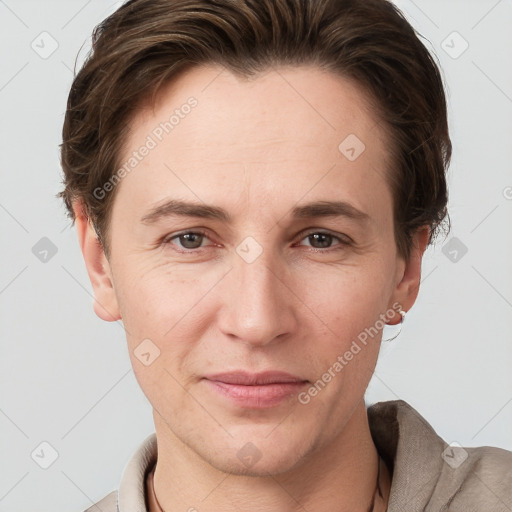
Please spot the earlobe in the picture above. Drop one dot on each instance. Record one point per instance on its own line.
(98, 267)
(408, 285)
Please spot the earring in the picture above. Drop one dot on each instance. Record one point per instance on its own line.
(400, 325)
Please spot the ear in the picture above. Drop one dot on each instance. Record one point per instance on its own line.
(98, 267)
(409, 274)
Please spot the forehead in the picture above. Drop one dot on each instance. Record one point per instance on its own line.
(299, 102)
(288, 132)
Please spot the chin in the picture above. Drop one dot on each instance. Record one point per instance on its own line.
(265, 467)
(258, 455)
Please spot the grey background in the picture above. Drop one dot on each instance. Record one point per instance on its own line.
(65, 375)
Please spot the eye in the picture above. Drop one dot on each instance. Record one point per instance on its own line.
(187, 240)
(324, 240)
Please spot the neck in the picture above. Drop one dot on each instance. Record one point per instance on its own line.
(340, 476)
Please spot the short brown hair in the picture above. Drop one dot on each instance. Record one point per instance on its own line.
(146, 43)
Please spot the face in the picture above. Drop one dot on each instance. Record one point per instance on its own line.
(251, 246)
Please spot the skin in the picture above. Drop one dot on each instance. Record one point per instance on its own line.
(256, 148)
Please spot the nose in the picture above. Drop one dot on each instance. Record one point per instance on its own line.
(258, 304)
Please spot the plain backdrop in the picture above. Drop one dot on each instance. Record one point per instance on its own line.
(66, 379)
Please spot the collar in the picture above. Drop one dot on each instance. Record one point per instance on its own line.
(412, 451)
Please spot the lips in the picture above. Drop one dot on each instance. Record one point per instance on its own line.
(254, 379)
(255, 390)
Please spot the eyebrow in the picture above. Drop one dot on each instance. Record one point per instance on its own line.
(179, 208)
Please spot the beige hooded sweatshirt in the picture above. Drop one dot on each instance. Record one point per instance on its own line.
(427, 474)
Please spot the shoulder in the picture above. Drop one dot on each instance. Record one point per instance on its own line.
(131, 494)
(107, 504)
(477, 477)
(428, 472)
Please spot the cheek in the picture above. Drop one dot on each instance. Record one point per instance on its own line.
(153, 301)
(163, 386)
(346, 300)
(346, 342)
(345, 307)
(172, 308)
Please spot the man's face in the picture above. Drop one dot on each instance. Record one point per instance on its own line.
(261, 288)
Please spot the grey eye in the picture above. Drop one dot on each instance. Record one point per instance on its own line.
(191, 240)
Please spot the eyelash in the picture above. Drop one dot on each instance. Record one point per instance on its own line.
(342, 242)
